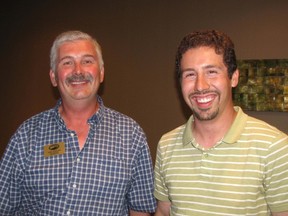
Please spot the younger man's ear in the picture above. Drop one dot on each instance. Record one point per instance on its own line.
(235, 78)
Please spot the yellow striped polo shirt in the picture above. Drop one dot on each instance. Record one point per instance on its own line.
(246, 173)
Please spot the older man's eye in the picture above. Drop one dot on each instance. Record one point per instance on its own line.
(88, 60)
(67, 63)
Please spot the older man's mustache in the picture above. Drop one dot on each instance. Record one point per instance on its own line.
(79, 78)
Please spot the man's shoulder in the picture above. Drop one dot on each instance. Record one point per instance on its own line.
(36, 119)
(115, 121)
(257, 129)
(172, 136)
(252, 126)
(119, 118)
(258, 124)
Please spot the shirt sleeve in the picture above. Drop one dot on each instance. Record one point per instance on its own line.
(140, 196)
(276, 178)
(160, 191)
(10, 178)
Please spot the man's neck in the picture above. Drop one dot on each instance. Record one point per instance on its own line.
(209, 133)
(78, 111)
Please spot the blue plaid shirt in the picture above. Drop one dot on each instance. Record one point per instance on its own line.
(110, 175)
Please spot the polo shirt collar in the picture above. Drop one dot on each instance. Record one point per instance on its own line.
(187, 134)
(231, 136)
(237, 127)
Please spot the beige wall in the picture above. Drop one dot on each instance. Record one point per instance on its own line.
(139, 39)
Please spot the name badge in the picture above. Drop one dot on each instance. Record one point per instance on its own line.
(54, 149)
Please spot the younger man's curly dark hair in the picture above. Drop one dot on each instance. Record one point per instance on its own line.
(222, 44)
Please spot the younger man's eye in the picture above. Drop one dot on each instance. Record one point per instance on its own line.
(188, 74)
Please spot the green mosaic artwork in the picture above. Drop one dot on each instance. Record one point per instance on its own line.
(263, 85)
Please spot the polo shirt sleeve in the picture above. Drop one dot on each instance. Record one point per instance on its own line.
(276, 178)
(160, 191)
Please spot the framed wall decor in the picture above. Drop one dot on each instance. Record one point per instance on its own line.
(263, 85)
